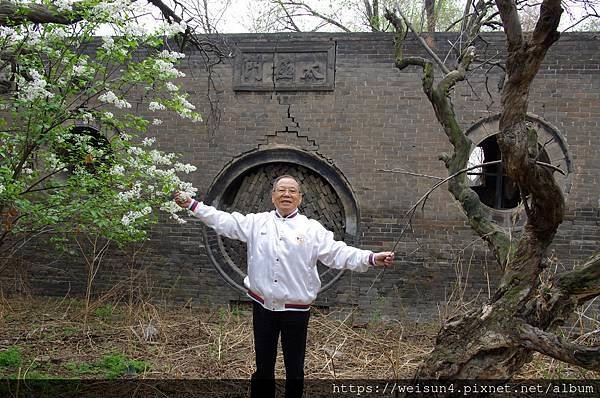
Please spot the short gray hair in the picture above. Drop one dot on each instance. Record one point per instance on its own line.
(287, 176)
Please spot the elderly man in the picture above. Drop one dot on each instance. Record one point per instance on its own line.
(283, 249)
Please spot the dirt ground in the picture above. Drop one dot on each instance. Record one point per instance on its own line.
(44, 338)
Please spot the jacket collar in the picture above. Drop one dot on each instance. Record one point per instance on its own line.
(291, 215)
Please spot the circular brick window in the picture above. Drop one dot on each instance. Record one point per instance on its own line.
(85, 147)
(498, 193)
(245, 187)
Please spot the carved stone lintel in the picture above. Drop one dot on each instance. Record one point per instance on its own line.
(297, 66)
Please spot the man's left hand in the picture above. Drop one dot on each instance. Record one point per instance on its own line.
(383, 259)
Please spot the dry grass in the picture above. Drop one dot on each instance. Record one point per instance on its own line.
(191, 342)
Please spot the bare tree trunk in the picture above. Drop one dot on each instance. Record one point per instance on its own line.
(431, 22)
(431, 17)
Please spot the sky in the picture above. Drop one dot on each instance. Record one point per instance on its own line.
(236, 16)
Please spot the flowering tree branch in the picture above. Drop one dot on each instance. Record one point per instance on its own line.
(71, 132)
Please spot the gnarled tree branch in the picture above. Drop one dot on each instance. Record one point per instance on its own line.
(12, 14)
(518, 140)
(581, 283)
(495, 237)
(511, 22)
(400, 61)
(545, 33)
(524, 305)
(431, 53)
(550, 344)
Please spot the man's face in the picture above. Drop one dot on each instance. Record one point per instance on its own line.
(286, 196)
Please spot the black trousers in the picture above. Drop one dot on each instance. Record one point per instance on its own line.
(293, 327)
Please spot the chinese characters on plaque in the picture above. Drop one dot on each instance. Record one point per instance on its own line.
(297, 67)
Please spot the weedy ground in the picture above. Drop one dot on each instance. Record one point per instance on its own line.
(52, 338)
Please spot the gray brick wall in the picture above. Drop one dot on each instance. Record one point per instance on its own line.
(376, 118)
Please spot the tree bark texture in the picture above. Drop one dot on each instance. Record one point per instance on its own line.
(496, 340)
(12, 14)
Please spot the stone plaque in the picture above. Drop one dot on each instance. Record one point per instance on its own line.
(296, 66)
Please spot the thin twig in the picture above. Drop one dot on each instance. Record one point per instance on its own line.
(422, 42)
(423, 198)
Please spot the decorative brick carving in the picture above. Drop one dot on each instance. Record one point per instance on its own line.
(252, 69)
(297, 66)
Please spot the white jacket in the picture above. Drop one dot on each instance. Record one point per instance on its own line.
(283, 254)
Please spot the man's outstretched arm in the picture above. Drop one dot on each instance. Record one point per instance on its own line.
(231, 225)
(337, 254)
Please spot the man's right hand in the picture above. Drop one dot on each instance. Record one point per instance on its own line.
(183, 199)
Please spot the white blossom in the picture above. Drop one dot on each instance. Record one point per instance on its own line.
(81, 171)
(125, 220)
(170, 29)
(186, 108)
(108, 115)
(108, 43)
(34, 37)
(184, 196)
(187, 188)
(186, 168)
(63, 5)
(166, 69)
(181, 100)
(111, 98)
(53, 162)
(59, 32)
(110, 46)
(188, 114)
(178, 219)
(79, 70)
(86, 117)
(134, 30)
(170, 207)
(80, 138)
(133, 193)
(110, 9)
(81, 67)
(133, 215)
(148, 141)
(172, 56)
(134, 150)
(34, 89)
(2, 188)
(168, 176)
(159, 158)
(9, 34)
(171, 87)
(156, 106)
(157, 122)
(117, 170)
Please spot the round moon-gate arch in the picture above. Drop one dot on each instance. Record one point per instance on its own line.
(244, 185)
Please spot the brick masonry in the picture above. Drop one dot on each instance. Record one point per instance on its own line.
(376, 117)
